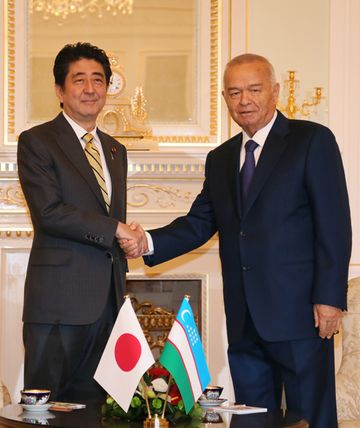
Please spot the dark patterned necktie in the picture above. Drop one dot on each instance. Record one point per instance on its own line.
(93, 156)
(248, 169)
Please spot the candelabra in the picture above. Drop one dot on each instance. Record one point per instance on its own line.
(63, 8)
(291, 109)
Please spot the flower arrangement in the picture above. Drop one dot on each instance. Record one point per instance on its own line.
(156, 390)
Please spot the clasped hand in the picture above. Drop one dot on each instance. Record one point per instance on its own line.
(132, 240)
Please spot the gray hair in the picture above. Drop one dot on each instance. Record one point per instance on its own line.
(249, 58)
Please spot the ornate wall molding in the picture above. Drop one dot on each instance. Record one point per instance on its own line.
(173, 169)
(161, 186)
(11, 197)
(206, 131)
(215, 20)
(195, 139)
(9, 75)
(11, 234)
(141, 195)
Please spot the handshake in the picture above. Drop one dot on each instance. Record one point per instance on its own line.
(132, 239)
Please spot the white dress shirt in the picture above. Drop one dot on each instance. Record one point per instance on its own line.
(259, 137)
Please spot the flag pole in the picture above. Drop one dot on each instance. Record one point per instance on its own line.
(146, 397)
(166, 397)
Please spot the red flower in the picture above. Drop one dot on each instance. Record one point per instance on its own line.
(156, 372)
(174, 394)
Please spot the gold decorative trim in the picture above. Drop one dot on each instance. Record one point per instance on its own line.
(214, 66)
(9, 78)
(16, 234)
(12, 196)
(180, 139)
(165, 196)
(166, 168)
(9, 110)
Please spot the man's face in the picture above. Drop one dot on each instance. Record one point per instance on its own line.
(84, 92)
(250, 95)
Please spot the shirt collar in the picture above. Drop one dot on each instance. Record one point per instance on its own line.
(261, 135)
(79, 130)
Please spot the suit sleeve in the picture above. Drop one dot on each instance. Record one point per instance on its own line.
(187, 232)
(325, 180)
(43, 194)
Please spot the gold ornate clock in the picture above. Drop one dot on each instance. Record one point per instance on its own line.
(121, 116)
(117, 83)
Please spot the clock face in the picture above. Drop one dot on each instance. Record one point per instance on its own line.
(117, 84)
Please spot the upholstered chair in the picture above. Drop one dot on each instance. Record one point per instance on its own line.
(348, 375)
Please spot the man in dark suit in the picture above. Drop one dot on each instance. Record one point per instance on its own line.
(75, 188)
(285, 242)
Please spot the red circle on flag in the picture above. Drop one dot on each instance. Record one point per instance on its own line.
(127, 351)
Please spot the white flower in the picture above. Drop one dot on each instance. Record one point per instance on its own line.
(159, 385)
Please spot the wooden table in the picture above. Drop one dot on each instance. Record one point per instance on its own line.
(14, 417)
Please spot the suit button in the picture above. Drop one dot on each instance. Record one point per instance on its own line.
(246, 268)
(242, 234)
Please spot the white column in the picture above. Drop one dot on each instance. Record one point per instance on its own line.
(344, 95)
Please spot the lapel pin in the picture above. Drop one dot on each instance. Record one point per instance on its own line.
(113, 149)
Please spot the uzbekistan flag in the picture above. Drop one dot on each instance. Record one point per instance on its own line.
(125, 359)
(183, 356)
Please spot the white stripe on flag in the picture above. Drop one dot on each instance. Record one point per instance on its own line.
(179, 339)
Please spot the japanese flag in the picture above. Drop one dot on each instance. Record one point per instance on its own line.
(126, 357)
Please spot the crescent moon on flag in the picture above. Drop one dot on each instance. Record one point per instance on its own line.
(183, 314)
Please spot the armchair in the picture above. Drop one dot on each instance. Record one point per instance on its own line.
(348, 375)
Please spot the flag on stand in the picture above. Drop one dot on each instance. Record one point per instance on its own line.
(183, 356)
(125, 359)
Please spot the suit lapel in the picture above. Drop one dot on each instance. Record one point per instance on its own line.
(110, 152)
(273, 148)
(70, 145)
(234, 170)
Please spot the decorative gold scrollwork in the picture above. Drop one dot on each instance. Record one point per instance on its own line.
(165, 197)
(12, 196)
(155, 321)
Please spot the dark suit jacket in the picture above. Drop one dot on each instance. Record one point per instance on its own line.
(70, 266)
(289, 246)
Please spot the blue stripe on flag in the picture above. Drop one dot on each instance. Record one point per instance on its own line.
(185, 317)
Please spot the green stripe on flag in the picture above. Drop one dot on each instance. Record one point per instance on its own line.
(171, 360)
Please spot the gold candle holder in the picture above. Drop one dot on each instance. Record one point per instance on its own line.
(291, 109)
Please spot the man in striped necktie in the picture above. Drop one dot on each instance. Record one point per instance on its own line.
(74, 180)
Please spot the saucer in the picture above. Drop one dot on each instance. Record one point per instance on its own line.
(212, 403)
(36, 407)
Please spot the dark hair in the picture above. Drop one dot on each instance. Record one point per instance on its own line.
(73, 52)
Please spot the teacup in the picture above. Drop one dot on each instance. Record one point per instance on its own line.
(211, 417)
(35, 396)
(213, 392)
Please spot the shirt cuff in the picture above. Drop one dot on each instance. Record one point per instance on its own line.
(150, 252)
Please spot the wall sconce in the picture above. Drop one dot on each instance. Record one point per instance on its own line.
(291, 109)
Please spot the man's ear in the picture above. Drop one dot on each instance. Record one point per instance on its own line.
(59, 92)
(276, 91)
